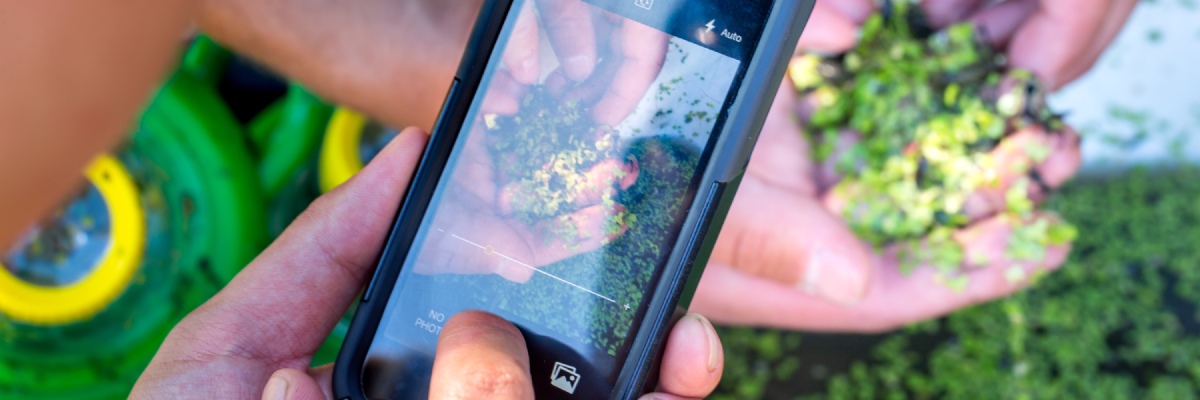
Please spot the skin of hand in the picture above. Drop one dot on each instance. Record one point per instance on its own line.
(785, 259)
(604, 60)
(393, 60)
(492, 353)
(85, 69)
(593, 47)
(72, 74)
(1059, 40)
(257, 336)
(338, 51)
(478, 208)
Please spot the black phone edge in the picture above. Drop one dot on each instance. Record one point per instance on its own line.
(746, 116)
(347, 374)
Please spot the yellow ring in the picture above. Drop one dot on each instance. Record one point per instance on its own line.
(40, 305)
(339, 153)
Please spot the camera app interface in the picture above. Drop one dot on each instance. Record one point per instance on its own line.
(569, 184)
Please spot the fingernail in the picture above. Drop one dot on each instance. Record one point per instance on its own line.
(696, 321)
(276, 389)
(833, 278)
(579, 67)
(652, 396)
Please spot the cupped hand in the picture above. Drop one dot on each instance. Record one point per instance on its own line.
(1058, 40)
(482, 225)
(476, 229)
(786, 259)
(256, 338)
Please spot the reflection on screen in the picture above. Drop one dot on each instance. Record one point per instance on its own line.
(566, 193)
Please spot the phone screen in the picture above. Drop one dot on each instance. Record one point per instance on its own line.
(568, 185)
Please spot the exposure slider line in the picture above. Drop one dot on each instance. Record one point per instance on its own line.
(502, 255)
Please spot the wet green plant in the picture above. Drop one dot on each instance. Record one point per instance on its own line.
(622, 271)
(927, 111)
(546, 154)
(1118, 321)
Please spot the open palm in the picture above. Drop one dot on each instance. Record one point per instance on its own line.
(784, 259)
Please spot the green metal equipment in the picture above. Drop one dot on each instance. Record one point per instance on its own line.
(162, 225)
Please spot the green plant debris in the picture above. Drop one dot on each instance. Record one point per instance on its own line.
(1132, 128)
(1188, 4)
(547, 151)
(1135, 118)
(754, 359)
(1118, 321)
(930, 109)
(1178, 146)
(543, 156)
(623, 270)
(1155, 36)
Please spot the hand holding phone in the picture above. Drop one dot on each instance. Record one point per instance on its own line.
(575, 185)
(276, 328)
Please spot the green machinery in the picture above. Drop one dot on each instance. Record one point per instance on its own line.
(160, 227)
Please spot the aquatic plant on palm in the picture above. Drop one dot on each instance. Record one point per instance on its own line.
(553, 159)
(910, 122)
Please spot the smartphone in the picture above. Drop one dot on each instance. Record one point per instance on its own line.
(575, 184)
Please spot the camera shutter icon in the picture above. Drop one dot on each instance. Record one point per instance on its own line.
(564, 377)
(647, 4)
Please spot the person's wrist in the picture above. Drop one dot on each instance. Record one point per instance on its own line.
(390, 60)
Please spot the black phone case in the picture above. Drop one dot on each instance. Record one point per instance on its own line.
(680, 277)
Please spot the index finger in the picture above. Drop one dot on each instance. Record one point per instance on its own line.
(568, 23)
(1057, 36)
(644, 50)
(521, 55)
(828, 30)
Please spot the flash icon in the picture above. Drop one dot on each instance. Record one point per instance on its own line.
(711, 25)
